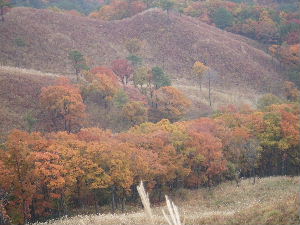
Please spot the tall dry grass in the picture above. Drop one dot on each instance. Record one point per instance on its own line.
(273, 200)
(145, 201)
(173, 218)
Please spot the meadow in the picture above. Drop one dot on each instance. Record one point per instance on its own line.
(271, 200)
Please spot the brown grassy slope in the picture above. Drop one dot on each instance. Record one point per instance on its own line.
(171, 41)
(272, 200)
(19, 100)
(19, 96)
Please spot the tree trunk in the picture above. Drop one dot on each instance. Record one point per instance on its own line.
(2, 14)
(200, 84)
(209, 90)
(254, 176)
(96, 203)
(77, 74)
(283, 165)
(237, 178)
(113, 200)
(209, 182)
(24, 211)
(78, 193)
(123, 204)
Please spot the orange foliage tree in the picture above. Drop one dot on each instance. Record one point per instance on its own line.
(101, 85)
(170, 103)
(62, 104)
(117, 10)
(135, 113)
(291, 91)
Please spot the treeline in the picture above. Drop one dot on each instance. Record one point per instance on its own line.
(46, 175)
(273, 23)
(81, 6)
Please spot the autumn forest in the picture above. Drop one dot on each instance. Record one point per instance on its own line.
(80, 141)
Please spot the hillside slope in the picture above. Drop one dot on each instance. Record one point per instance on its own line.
(171, 41)
(272, 200)
(19, 96)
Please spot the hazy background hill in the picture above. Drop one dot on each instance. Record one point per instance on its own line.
(171, 41)
(82, 6)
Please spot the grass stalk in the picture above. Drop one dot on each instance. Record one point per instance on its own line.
(145, 201)
(173, 218)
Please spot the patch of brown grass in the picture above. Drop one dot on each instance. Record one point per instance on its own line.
(19, 95)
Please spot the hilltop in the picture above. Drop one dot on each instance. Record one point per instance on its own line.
(171, 41)
(224, 204)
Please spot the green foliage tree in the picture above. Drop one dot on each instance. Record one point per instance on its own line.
(120, 99)
(223, 18)
(267, 100)
(294, 76)
(31, 121)
(78, 62)
(135, 60)
(140, 77)
(133, 46)
(166, 5)
(160, 79)
(4, 4)
(20, 42)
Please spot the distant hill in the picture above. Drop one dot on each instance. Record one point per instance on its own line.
(171, 41)
(83, 6)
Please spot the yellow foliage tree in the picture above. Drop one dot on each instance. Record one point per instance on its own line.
(199, 69)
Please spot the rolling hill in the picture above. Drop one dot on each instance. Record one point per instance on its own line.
(171, 41)
(243, 72)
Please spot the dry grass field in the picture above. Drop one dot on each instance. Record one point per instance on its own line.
(219, 97)
(19, 96)
(273, 200)
(171, 41)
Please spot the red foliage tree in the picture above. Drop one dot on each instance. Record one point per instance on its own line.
(123, 69)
